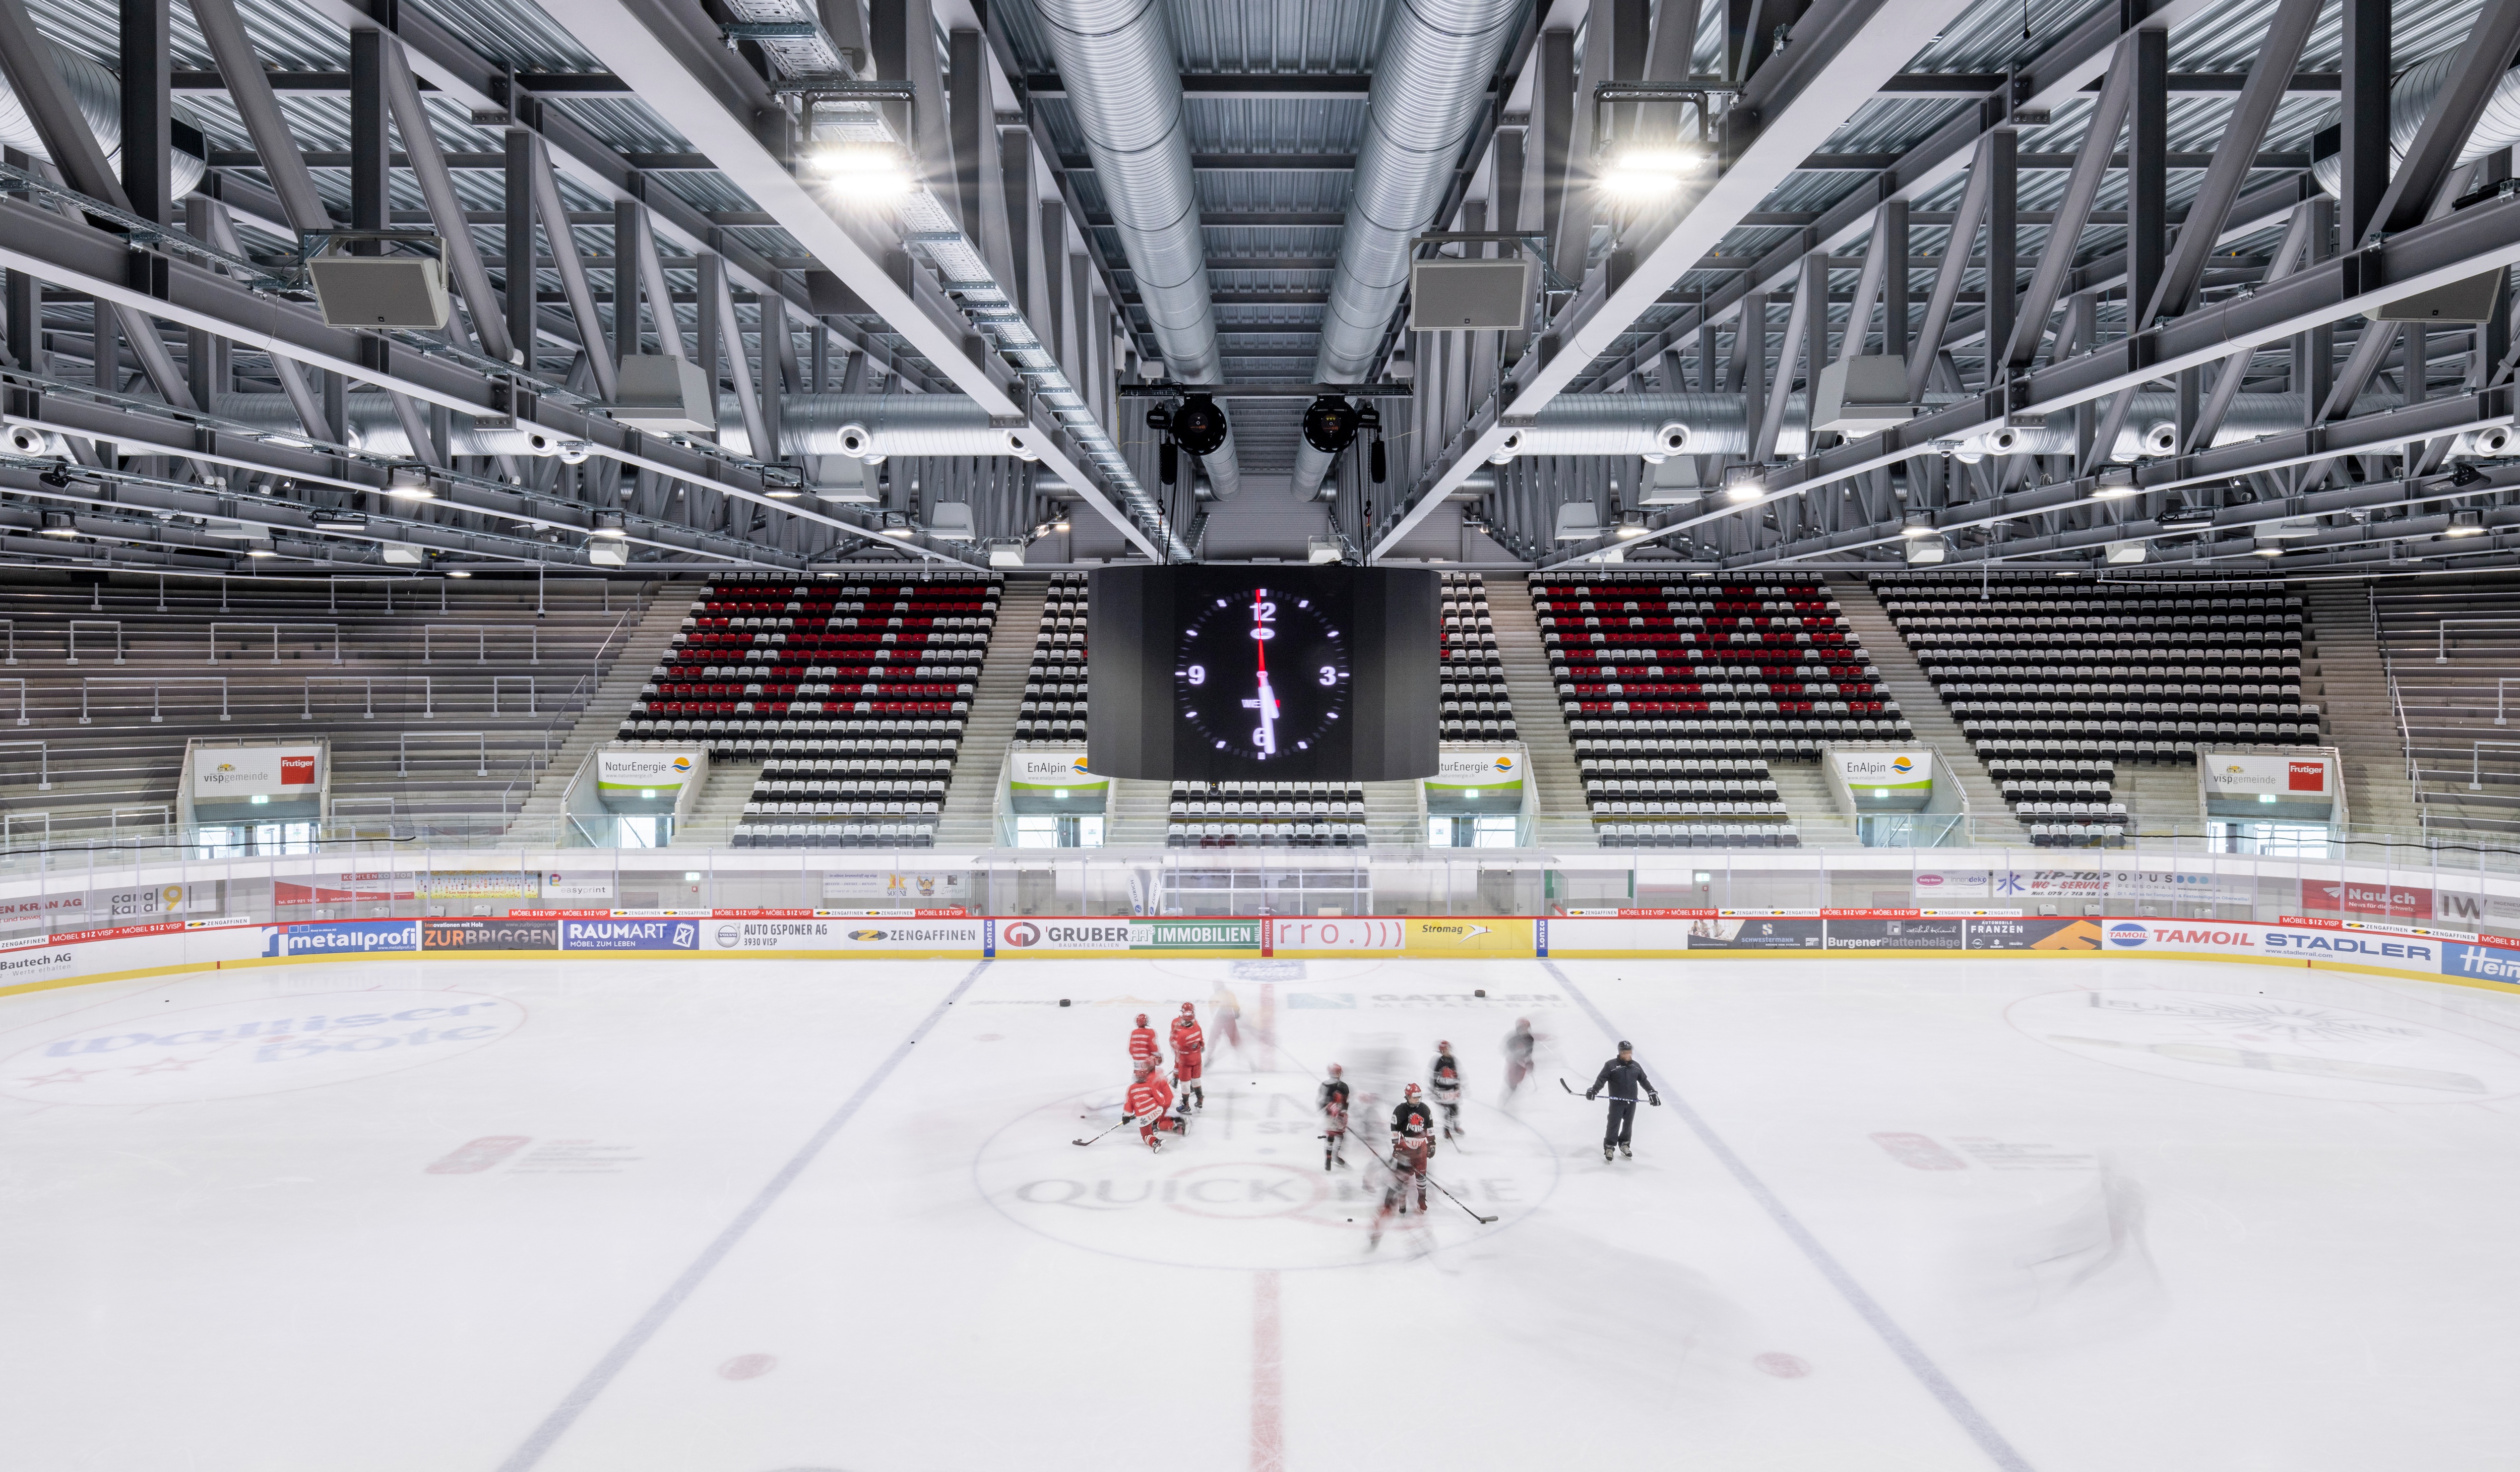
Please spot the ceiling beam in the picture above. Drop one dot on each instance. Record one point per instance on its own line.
(548, 83)
(1239, 163)
(1980, 83)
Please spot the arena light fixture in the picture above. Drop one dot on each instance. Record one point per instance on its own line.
(1923, 551)
(609, 524)
(408, 483)
(1199, 424)
(2467, 522)
(59, 523)
(458, 573)
(1329, 425)
(1650, 171)
(1917, 524)
(1632, 524)
(260, 550)
(874, 170)
(2115, 482)
(1743, 483)
(608, 554)
(2269, 551)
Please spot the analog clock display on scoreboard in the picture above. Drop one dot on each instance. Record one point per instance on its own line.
(1231, 672)
(1263, 674)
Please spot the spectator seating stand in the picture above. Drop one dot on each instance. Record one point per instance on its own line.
(852, 694)
(1680, 689)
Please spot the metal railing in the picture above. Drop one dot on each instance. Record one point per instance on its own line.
(157, 688)
(482, 633)
(275, 627)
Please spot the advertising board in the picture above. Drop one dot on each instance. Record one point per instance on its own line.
(242, 773)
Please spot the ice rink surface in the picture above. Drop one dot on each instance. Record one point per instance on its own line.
(465, 1216)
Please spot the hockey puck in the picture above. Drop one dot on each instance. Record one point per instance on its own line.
(1482, 991)
(1063, 1001)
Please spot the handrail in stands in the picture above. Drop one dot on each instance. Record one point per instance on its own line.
(220, 623)
(481, 648)
(112, 623)
(43, 761)
(2440, 647)
(482, 759)
(157, 685)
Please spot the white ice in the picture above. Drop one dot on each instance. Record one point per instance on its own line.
(727, 1216)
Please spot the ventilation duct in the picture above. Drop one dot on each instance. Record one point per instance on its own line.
(2411, 96)
(1656, 425)
(861, 426)
(98, 95)
(1430, 80)
(1124, 86)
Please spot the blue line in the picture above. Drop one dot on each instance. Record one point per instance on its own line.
(1909, 1353)
(575, 1403)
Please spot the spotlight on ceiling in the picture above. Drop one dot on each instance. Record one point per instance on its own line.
(2114, 481)
(408, 483)
(2468, 523)
(1743, 483)
(58, 524)
(1329, 425)
(1199, 424)
(874, 170)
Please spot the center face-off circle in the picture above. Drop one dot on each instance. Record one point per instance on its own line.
(2306, 1049)
(1246, 1188)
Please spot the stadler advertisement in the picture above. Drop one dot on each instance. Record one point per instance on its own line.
(242, 773)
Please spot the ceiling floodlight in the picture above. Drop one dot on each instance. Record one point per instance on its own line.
(1321, 549)
(2114, 481)
(2300, 526)
(1744, 483)
(1650, 171)
(609, 524)
(1632, 524)
(2122, 553)
(59, 523)
(2469, 523)
(897, 525)
(1917, 524)
(608, 554)
(869, 169)
(1924, 550)
(408, 483)
(260, 550)
(402, 554)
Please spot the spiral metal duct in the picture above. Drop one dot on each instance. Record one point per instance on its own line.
(1124, 84)
(2410, 97)
(1429, 91)
(98, 95)
(864, 426)
(1656, 425)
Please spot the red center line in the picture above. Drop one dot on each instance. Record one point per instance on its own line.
(1268, 1389)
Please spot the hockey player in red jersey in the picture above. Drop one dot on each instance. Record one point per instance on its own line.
(1189, 1050)
(1413, 1145)
(1150, 1097)
(1142, 1045)
(1334, 1097)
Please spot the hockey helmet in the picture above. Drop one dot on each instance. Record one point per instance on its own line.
(1185, 1009)
(1142, 1019)
(1442, 1046)
(1412, 1092)
(1334, 1069)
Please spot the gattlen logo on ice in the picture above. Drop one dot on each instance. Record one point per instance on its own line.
(256, 1046)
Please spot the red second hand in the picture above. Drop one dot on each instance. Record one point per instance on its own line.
(1262, 644)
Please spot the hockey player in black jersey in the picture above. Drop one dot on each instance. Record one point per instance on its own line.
(1413, 1145)
(1624, 1076)
(1444, 1079)
(1334, 1106)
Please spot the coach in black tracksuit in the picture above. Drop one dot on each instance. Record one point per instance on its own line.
(1623, 1076)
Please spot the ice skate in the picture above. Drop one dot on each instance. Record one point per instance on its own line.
(1625, 1153)
(1606, 1155)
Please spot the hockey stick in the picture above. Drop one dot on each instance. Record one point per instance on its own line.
(1403, 1179)
(1124, 1121)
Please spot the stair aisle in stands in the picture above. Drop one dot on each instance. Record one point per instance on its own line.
(1542, 724)
(969, 819)
(640, 654)
(1923, 706)
(2354, 683)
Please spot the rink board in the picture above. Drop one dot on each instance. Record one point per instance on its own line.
(165, 947)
